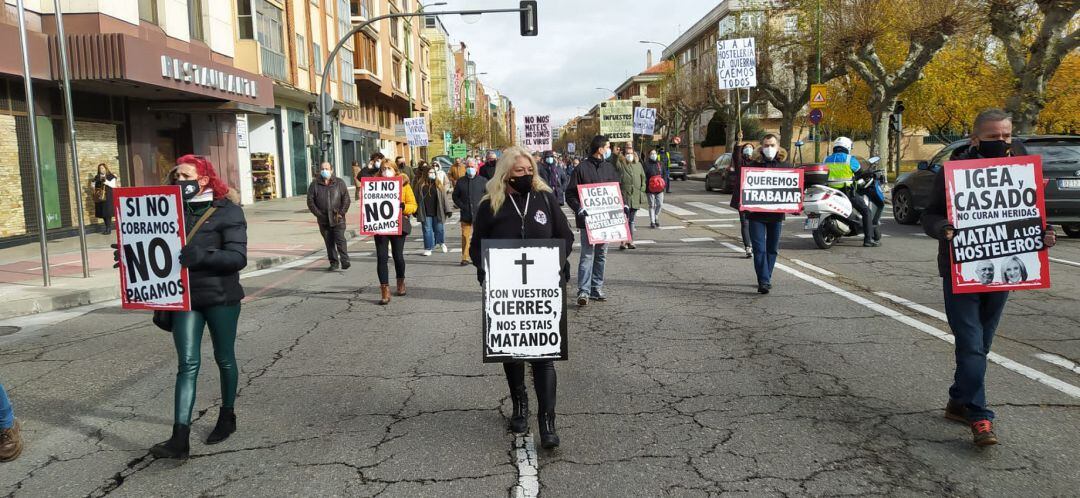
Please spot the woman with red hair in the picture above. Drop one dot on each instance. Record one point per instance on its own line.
(214, 255)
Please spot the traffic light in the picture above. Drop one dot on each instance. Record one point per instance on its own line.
(894, 123)
(899, 109)
(528, 18)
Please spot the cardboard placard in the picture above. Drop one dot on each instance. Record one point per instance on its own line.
(524, 300)
(380, 206)
(617, 120)
(416, 132)
(150, 234)
(771, 190)
(606, 221)
(644, 121)
(998, 210)
(537, 133)
(736, 63)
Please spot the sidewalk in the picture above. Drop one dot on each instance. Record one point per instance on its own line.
(279, 231)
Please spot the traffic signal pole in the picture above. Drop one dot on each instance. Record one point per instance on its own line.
(325, 102)
(817, 136)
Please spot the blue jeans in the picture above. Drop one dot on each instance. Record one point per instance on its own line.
(765, 239)
(973, 319)
(590, 273)
(631, 215)
(7, 415)
(434, 232)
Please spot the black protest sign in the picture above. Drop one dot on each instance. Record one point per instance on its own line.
(380, 206)
(771, 190)
(149, 236)
(524, 300)
(997, 208)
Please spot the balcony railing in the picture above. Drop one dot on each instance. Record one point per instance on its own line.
(273, 64)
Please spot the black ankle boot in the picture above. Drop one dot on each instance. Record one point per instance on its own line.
(226, 425)
(549, 439)
(519, 421)
(177, 447)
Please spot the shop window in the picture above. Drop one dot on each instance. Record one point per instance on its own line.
(148, 11)
(245, 20)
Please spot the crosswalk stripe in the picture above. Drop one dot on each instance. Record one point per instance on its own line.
(675, 227)
(644, 242)
(676, 210)
(722, 226)
(698, 239)
(711, 208)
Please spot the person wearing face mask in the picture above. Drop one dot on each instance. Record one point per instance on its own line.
(553, 175)
(654, 188)
(433, 208)
(843, 168)
(215, 252)
(518, 205)
(597, 168)
(665, 165)
(385, 245)
(741, 157)
(488, 169)
(765, 227)
(632, 184)
(468, 193)
(973, 317)
(457, 172)
(373, 167)
(328, 200)
(405, 168)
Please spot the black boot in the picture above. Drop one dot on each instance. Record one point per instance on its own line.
(177, 446)
(226, 425)
(519, 421)
(545, 381)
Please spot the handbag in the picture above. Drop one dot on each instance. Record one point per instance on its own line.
(164, 318)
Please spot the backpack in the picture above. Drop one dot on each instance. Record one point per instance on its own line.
(656, 184)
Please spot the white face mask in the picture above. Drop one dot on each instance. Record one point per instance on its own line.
(769, 152)
(652, 156)
(748, 151)
(431, 175)
(630, 158)
(389, 173)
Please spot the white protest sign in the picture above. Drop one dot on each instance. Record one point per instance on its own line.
(524, 300)
(537, 133)
(644, 120)
(771, 190)
(380, 206)
(617, 120)
(571, 147)
(736, 63)
(998, 210)
(150, 233)
(606, 220)
(416, 132)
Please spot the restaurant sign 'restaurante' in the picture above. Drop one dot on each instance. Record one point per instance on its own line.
(187, 72)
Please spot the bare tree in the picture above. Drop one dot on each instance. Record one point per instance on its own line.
(1036, 36)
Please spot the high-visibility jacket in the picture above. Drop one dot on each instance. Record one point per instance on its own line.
(842, 168)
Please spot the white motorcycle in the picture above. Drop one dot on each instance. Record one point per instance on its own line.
(829, 213)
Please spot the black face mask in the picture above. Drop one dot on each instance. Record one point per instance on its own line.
(188, 189)
(993, 148)
(521, 184)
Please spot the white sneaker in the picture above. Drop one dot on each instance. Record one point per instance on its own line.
(427, 253)
(443, 247)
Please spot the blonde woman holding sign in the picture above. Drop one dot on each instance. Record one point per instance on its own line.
(519, 205)
(384, 244)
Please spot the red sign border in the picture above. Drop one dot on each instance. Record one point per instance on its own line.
(742, 181)
(120, 193)
(960, 286)
(581, 195)
(401, 198)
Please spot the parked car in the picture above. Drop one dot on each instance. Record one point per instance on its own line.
(1061, 172)
(721, 176)
(677, 167)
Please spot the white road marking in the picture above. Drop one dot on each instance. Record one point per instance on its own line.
(722, 226)
(698, 239)
(528, 485)
(712, 209)
(1065, 262)
(804, 235)
(818, 269)
(677, 211)
(715, 220)
(1054, 359)
(733, 247)
(679, 227)
(926, 310)
(644, 242)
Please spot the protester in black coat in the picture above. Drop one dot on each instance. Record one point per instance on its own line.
(488, 169)
(328, 199)
(591, 265)
(520, 206)
(104, 182)
(468, 193)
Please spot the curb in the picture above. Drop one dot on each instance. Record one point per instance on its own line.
(60, 300)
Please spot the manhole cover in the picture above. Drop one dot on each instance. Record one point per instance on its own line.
(8, 330)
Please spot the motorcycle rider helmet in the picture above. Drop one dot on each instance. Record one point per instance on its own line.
(843, 143)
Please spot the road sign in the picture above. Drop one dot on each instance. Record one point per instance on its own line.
(819, 96)
(677, 140)
(816, 115)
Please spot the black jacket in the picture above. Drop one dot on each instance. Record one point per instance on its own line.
(488, 169)
(324, 200)
(935, 218)
(506, 224)
(467, 195)
(215, 256)
(652, 168)
(367, 172)
(440, 201)
(591, 170)
(553, 175)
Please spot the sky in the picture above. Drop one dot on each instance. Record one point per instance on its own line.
(582, 44)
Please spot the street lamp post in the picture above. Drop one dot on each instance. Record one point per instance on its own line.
(409, 82)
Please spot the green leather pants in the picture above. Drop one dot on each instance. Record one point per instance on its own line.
(187, 335)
